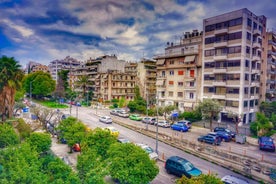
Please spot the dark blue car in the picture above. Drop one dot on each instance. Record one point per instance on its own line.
(224, 136)
(266, 143)
(210, 139)
(180, 127)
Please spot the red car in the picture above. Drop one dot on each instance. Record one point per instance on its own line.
(76, 147)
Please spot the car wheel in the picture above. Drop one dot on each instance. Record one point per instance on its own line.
(168, 171)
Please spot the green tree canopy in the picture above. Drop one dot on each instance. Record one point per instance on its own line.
(8, 136)
(41, 142)
(130, 164)
(261, 126)
(209, 108)
(39, 83)
(202, 179)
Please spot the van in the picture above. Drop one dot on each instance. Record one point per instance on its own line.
(180, 166)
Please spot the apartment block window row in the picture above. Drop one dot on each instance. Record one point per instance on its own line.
(255, 25)
(222, 51)
(223, 38)
(226, 24)
(223, 64)
(222, 90)
(222, 77)
(189, 73)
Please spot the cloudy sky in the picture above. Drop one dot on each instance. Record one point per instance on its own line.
(45, 30)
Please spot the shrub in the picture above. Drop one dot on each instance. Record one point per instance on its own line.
(8, 136)
(41, 142)
(23, 129)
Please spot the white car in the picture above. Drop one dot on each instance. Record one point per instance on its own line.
(153, 155)
(229, 179)
(105, 119)
(123, 114)
(164, 123)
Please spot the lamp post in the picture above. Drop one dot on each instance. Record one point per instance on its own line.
(147, 110)
(156, 148)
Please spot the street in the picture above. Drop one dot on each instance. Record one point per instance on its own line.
(89, 117)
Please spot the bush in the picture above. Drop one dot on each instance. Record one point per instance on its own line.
(8, 136)
(41, 142)
(190, 116)
(23, 129)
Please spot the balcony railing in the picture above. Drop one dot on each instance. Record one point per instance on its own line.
(220, 44)
(219, 70)
(220, 57)
(257, 32)
(219, 83)
(221, 31)
(177, 53)
(256, 45)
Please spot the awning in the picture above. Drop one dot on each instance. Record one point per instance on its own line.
(160, 62)
(189, 59)
(189, 79)
(188, 104)
(274, 48)
(160, 82)
(105, 76)
(97, 76)
(274, 57)
(273, 66)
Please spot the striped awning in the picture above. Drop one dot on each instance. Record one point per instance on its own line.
(189, 59)
(160, 62)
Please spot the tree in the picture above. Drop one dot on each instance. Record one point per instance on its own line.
(11, 76)
(62, 83)
(167, 110)
(236, 119)
(130, 164)
(209, 108)
(202, 179)
(261, 126)
(23, 129)
(44, 115)
(39, 84)
(8, 136)
(122, 102)
(83, 82)
(41, 142)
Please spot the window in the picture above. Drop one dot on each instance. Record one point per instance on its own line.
(180, 83)
(247, 63)
(247, 50)
(170, 82)
(249, 22)
(172, 62)
(192, 73)
(234, 36)
(192, 84)
(171, 72)
(245, 104)
(251, 103)
(255, 25)
(170, 93)
(246, 76)
(209, 52)
(256, 102)
(180, 72)
(246, 91)
(191, 95)
(180, 94)
(248, 36)
(163, 73)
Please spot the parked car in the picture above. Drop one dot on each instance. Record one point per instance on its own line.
(180, 166)
(115, 112)
(113, 131)
(76, 147)
(123, 114)
(180, 127)
(266, 143)
(123, 140)
(229, 179)
(224, 136)
(185, 122)
(135, 117)
(210, 139)
(233, 134)
(105, 119)
(153, 155)
(64, 116)
(149, 120)
(164, 124)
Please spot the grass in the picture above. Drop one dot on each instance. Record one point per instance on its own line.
(51, 104)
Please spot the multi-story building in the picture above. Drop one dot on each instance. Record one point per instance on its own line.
(232, 56)
(40, 67)
(67, 63)
(146, 79)
(179, 72)
(30, 66)
(268, 77)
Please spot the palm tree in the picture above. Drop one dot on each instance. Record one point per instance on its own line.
(83, 82)
(10, 80)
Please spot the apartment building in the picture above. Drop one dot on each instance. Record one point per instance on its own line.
(268, 77)
(179, 72)
(67, 63)
(116, 84)
(232, 57)
(40, 67)
(146, 79)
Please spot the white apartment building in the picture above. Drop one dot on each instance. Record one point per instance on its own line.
(232, 56)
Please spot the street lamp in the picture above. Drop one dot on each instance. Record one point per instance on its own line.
(156, 148)
(147, 110)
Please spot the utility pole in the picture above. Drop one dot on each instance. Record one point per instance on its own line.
(156, 149)
(147, 109)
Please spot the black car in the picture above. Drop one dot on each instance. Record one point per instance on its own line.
(210, 139)
(222, 129)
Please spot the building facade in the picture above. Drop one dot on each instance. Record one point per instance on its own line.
(179, 72)
(42, 68)
(232, 57)
(268, 77)
(146, 79)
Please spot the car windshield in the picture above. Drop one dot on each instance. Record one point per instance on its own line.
(188, 166)
(148, 150)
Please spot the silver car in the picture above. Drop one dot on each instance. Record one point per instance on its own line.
(164, 123)
(105, 119)
(123, 114)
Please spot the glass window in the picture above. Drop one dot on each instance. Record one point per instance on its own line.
(171, 72)
(180, 94)
(249, 22)
(191, 95)
(247, 63)
(248, 36)
(180, 83)
(170, 93)
(247, 49)
(245, 104)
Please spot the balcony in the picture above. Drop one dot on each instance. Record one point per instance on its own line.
(257, 32)
(256, 58)
(177, 53)
(221, 31)
(219, 70)
(255, 83)
(207, 95)
(232, 109)
(220, 57)
(220, 44)
(255, 70)
(256, 45)
(219, 96)
(219, 83)
(232, 95)
(233, 82)
(208, 82)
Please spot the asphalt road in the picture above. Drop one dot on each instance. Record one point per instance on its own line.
(87, 116)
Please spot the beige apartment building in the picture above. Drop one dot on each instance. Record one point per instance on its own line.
(268, 77)
(42, 68)
(146, 79)
(232, 56)
(179, 72)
